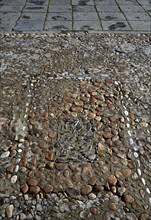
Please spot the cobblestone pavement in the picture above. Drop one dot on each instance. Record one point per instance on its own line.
(75, 128)
(75, 15)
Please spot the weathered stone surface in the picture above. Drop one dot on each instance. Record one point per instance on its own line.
(32, 182)
(94, 211)
(112, 206)
(34, 189)
(48, 188)
(86, 189)
(24, 188)
(106, 216)
(131, 216)
(128, 198)
(112, 180)
(9, 211)
(126, 172)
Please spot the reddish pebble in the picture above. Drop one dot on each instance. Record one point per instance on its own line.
(32, 182)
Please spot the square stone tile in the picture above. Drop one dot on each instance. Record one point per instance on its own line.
(59, 16)
(60, 8)
(33, 16)
(115, 16)
(58, 2)
(58, 25)
(82, 2)
(147, 7)
(141, 25)
(11, 8)
(116, 26)
(37, 3)
(107, 7)
(131, 8)
(4, 16)
(127, 2)
(29, 25)
(87, 26)
(97, 2)
(138, 16)
(13, 2)
(6, 25)
(84, 16)
(144, 2)
(35, 9)
(89, 8)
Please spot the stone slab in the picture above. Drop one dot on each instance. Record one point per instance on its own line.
(87, 25)
(33, 16)
(58, 2)
(89, 8)
(60, 8)
(6, 25)
(138, 16)
(11, 8)
(29, 25)
(106, 16)
(35, 9)
(116, 25)
(59, 16)
(82, 2)
(131, 8)
(107, 7)
(127, 2)
(58, 25)
(84, 16)
(12, 2)
(141, 25)
(97, 2)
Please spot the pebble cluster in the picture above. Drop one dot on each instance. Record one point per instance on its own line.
(73, 146)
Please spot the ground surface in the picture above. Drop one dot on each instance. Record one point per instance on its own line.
(75, 15)
(75, 126)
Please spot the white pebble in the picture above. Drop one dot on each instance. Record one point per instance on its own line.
(139, 172)
(138, 163)
(147, 190)
(5, 154)
(150, 200)
(16, 168)
(128, 125)
(131, 141)
(126, 113)
(135, 154)
(129, 133)
(20, 145)
(9, 211)
(143, 181)
(20, 150)
(14, 179)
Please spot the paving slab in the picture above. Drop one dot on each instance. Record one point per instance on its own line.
(25, 24)
(87, 25)
(116, 25)
(60, 8)
(84, 16)
(89, 8)
(80, 10)
(109, 16)
(82, 2)
(138, 16)
(11, 8)
(51, 25)
(141, 25)
(59, 16)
